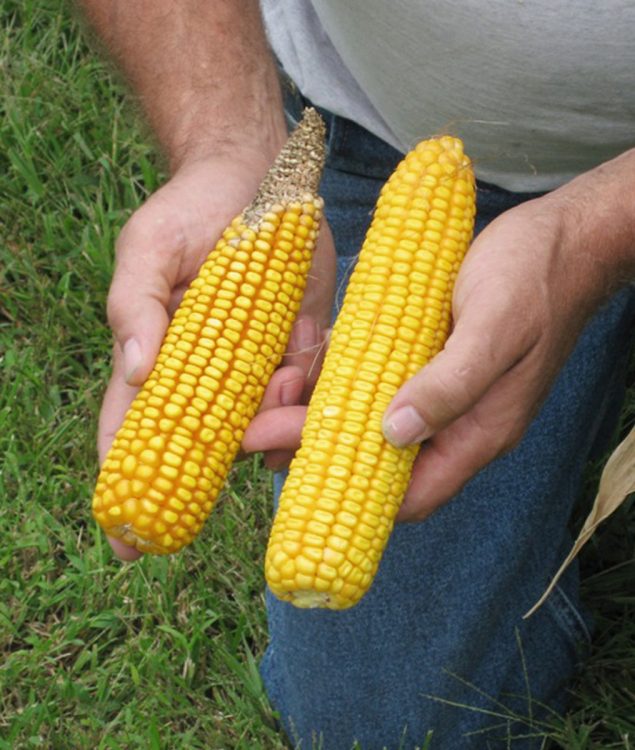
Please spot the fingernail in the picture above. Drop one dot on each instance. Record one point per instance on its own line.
(131, 358)
(405, 427)
(305, 335)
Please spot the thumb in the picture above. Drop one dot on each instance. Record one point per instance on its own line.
(138, 319)
(138, 300)
(479, 351)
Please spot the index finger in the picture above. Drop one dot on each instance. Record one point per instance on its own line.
(119, 395)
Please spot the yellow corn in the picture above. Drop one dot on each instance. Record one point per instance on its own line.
(346, 482)
(172, 454)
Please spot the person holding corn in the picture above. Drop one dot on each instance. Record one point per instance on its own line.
(530, 382)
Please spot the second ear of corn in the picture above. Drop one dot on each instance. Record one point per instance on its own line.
(181, 434)
(346, 482)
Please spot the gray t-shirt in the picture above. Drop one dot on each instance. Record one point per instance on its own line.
(538, 90)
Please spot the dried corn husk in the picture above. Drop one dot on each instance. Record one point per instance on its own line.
(616, 484)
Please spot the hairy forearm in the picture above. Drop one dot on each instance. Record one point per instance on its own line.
(600, 210)
(202, 71)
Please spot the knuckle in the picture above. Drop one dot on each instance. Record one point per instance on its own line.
(514, 437)
(451, 393)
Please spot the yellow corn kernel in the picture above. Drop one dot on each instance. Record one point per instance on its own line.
(394, 319)
(186, 424)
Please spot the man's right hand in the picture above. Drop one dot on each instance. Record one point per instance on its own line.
(159, 252)
(207, 83)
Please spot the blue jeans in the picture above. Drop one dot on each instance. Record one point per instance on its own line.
(438, 648)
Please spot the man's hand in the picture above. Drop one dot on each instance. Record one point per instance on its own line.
(521, 299)
(208, 85)
(159, 252)
(528, 284)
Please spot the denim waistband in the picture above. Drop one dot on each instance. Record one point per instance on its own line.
(351, 148)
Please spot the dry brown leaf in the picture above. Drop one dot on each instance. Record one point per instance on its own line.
(616, 483)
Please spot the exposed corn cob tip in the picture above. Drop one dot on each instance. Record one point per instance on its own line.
(171, 456)
(346, 482)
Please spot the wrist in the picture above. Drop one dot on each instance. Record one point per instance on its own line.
(251, 125)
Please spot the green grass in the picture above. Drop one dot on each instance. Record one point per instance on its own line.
(162, 654)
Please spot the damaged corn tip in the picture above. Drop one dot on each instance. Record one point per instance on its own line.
(171, 456)
(346, 482)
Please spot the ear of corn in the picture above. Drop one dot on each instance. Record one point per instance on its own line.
(346, 482)
(181, 434)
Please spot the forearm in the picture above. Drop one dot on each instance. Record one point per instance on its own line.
(598, 210)
(202, 71)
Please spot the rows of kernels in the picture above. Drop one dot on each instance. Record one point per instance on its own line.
(346, 482)
(171, 456)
